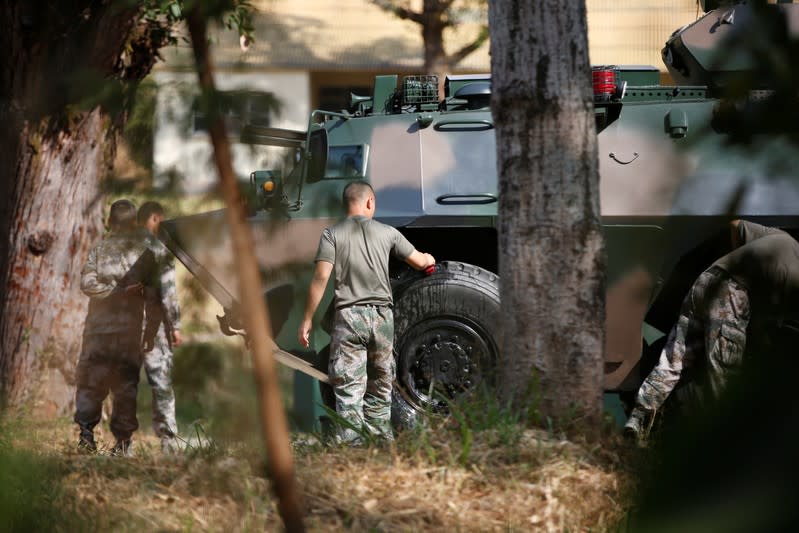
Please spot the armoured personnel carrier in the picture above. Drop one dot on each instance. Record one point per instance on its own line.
(669, 183)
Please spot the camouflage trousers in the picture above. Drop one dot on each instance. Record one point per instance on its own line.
(362, 370)
(708, 339)
(158, 368)
(109, 362)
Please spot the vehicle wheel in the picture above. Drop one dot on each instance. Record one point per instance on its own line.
(445, 339)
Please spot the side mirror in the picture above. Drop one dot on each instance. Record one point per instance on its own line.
(317, 152)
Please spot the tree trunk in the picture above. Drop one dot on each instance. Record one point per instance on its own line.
(435, 57)
(551, 250)
(56, 149)
(54, 216)
(254, 312)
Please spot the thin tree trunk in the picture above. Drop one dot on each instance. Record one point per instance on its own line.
(434, 17)
(551, 250)
(273, 417)
(435, 56)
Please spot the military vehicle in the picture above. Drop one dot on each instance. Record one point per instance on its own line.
(670, 181)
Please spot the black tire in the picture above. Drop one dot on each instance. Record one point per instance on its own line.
(445, 338)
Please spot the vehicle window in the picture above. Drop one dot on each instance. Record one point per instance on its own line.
(346, 161)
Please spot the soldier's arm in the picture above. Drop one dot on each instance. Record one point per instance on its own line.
(744, 231)
(734, 237)
(662, 380)
(91, 283)
(419, 260)
(315, 293)
(405, 251)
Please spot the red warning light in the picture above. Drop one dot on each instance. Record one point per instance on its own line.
(605, 82)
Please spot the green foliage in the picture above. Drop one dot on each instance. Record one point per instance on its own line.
(197, 368)
(167, 14)
(233, 14)
(482, 412)
(138, 132)
(476, 420)
(216, 396)
(29, 491)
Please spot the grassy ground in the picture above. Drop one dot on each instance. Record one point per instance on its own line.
(477, 471)
(460, 474)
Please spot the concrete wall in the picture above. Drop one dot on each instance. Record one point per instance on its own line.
(632, 32)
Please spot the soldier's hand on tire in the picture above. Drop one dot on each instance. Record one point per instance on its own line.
(177, 339)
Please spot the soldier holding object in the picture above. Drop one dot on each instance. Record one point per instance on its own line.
(114, 277)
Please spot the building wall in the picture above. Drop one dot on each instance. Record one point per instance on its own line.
(183, 157)
(632, 32)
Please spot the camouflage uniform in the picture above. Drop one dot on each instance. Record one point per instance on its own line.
(710, 331)
(361, 349)
(362, 369)
(162, 318)
(761, 273)
(111, 353)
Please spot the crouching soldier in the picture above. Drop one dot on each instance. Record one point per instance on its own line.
(754, 285)
(114, 277)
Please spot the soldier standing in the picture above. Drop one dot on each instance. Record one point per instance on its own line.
(361, 351)
(114, 277)
(162, 330)
(758, 279)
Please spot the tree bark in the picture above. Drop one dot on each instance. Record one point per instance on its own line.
(57, 146)
(432, 26)
(256, 319)
(53, 215)
(551, 250)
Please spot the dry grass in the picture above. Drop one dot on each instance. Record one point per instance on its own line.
(461, 475)
(424, 482)
(542, 485)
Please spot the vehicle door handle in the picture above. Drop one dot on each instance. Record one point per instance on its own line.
(466, 199)
(463, 125)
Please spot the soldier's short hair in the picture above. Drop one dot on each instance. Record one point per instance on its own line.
(122, 215)
(356, 191)
(149, 209)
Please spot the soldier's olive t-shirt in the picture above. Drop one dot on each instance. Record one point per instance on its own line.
(359, 249)
(767, 264)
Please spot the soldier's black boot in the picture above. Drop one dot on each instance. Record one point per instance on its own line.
(123, 448)
(86, 442)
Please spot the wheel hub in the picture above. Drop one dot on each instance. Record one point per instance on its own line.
(440, 360)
